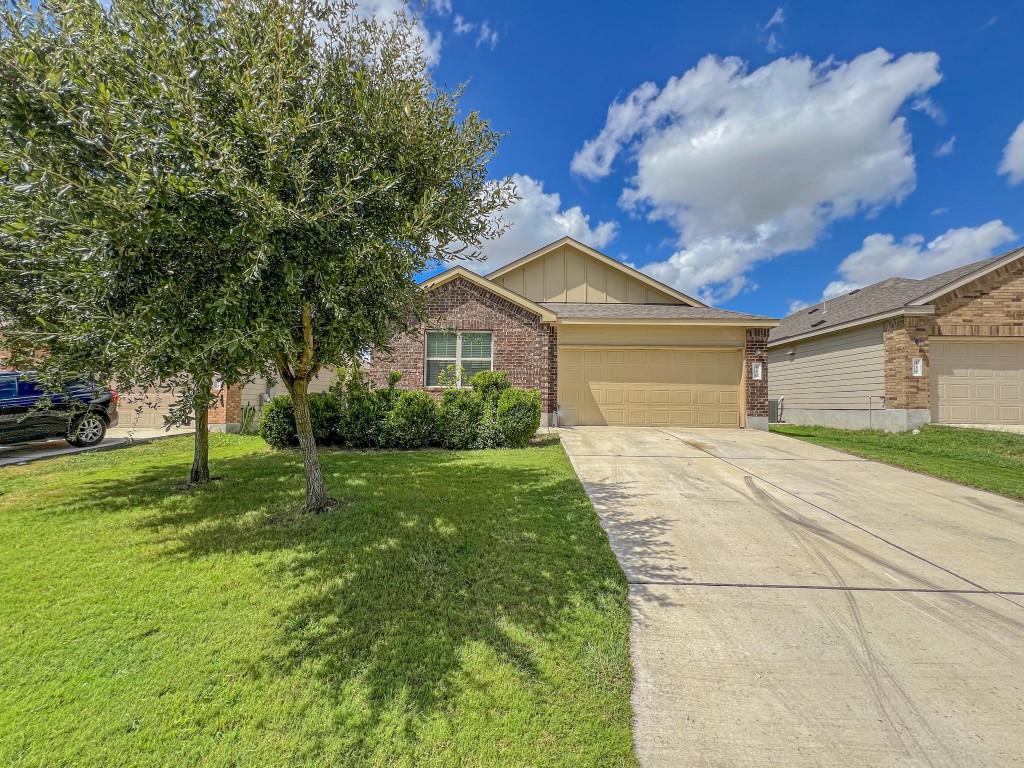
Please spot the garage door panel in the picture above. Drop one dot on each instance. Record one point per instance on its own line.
(649, 387)
(978, 382)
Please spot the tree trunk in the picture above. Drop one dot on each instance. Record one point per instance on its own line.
(316, 491)
(200, 473)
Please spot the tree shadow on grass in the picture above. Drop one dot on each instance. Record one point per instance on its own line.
(430, 554)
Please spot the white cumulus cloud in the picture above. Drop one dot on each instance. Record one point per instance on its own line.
(747, 165)
(537, 219)
(881, 256)
(1013, 156)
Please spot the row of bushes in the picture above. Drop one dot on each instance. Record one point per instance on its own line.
(492, 414)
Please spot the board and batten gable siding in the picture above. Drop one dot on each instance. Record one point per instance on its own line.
(837, 371)
(570, 275)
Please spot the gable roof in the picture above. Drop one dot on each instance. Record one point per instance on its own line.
(876, 302)
(452, 273)
(607, 260)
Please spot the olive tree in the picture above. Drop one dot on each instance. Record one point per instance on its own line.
(234, 183)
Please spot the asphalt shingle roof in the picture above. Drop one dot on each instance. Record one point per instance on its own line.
(886, 296)
(644, 312)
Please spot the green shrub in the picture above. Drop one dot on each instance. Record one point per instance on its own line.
(458, 417)
(411, 423)
(518, 416)
(277, 423)
(489, 385)
(325, 409)
(487, 433)
(362, 418)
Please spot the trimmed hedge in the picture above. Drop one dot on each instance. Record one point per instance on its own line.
(458, 416)
(412, 423)
(518, 416)
(491, 415)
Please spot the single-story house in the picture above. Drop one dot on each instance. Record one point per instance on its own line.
(901, 353)
(604, 343)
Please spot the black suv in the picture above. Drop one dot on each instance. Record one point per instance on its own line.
(81, 414)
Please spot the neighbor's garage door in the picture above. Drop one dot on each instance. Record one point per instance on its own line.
(145, 408)
(976, 381)
(648, 387)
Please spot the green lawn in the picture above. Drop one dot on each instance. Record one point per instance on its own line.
(459, 609)
(992, 461)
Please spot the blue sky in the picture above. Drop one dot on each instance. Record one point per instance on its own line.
(753, 154)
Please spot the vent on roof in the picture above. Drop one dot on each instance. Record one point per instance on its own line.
(812, 310)
(855, 290)
(816, 323)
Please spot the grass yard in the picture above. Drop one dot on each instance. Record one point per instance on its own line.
(460, 609)
(992, 461)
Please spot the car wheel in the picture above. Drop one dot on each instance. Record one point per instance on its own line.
(87, 431)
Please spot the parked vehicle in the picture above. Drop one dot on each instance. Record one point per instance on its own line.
(81, 414)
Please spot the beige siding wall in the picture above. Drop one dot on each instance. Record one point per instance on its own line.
(251, 392)
(839, 371)
(630, 335)
(568, 274)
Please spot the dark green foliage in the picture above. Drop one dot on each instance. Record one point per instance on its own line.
(325, 409)
(458, 417)
(518, 416)
(277, 424)
(489, 385)
(412, 422)
(363, 416)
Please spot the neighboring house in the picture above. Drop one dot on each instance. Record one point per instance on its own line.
(603, 342)
(902, 353)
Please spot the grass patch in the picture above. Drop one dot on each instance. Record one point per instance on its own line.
(459, 609)
(992, 461)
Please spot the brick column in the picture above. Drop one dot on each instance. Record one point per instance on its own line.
(226, 413)
(755, 350)
(903, 390)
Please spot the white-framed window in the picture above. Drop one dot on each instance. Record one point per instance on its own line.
(466, 352)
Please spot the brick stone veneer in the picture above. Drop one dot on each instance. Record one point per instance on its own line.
(990, 307)
(756, 351)
(522, 345)
(226, 413)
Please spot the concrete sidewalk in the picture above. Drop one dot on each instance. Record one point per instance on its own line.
(796, 606)
(13, 455)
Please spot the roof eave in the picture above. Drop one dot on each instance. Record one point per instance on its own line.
(911, 311)
(728, 321)
(546, 315)
(1008, 258)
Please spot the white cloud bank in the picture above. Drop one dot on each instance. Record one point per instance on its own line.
(1013, 156)
(537, 219)
(748, 165)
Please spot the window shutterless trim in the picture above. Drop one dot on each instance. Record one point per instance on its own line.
(458, 361)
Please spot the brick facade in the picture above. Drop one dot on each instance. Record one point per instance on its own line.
(755, 350)
(990, 307)
(522, 345)
(902, 388)
(226, 412)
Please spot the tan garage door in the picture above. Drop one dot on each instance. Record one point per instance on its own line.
(978, 381)
(144, 408)
(648, 387)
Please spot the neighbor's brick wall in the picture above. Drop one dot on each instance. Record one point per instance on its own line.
(902, 389)
(992, 306)
(521, 344)
(228, 409)
(756, 350)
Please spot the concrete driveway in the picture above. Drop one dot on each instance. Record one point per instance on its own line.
(795, 606)
(25, 453)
